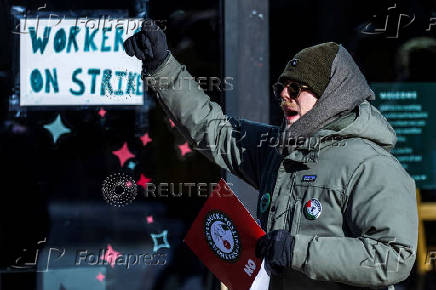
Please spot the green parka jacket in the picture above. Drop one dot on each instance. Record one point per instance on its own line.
(366, 234)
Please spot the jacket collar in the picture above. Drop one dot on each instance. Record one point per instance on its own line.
(307, 149)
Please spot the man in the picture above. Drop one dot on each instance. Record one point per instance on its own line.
(339, 210)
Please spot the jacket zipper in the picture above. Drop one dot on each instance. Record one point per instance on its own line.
(290, 198)
(296, 217)
(295, 223)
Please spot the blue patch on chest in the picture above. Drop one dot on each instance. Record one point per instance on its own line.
(309, 178)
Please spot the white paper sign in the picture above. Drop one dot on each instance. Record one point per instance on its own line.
(261, 282)
(70, 62)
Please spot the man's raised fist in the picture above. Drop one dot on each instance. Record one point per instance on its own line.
(149, 45)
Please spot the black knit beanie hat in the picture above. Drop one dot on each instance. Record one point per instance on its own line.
(312, 66)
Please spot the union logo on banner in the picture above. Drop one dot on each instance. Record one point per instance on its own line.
(224, 237)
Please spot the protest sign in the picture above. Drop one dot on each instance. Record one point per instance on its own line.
(71, 62)
(224, 237)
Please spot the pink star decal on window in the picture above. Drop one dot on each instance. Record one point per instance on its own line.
(145, 139)
(100, 277)
(149, 219)
(143, 180)
(184, 148)
(172, 123)
(102, 112)
(110, 255)
(123, 154)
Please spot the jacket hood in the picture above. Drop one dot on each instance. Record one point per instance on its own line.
(370, 124)
(347, 88)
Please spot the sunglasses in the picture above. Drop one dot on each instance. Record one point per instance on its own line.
(294, 89)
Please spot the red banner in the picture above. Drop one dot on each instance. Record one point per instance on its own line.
(224, 236)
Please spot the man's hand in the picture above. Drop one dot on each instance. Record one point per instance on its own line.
(149, 45)
(276, 247)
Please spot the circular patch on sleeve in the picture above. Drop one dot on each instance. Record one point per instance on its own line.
(312, 209)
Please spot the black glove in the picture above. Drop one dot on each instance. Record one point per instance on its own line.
(276, 247)
(149, 45)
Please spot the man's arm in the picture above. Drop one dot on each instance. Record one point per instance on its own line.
(231, 143)
(382, 214)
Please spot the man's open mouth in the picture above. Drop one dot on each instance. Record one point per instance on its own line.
(290, 112)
